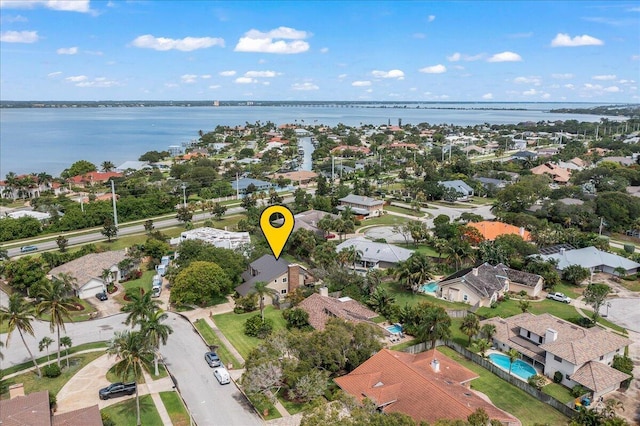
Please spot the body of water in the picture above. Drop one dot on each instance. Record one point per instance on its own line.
(519, 368)
(51, 139)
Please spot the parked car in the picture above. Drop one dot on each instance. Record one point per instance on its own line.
(117, 389)
(212, 359)
(156, 290)
(222, 375)
(560, 297)
(102, 296)
(330, 236)
(27, 249)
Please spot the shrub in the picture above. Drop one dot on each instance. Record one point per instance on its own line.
(245, 304)
(53, 399)
(522, 293)
(537, 381)
(296, 318)
(557, 377)
(578, 390)
(255, 327)
(106, 419)
(629, 248)
(51, 370)
(624, 364)
(494, 305)
(583, 322)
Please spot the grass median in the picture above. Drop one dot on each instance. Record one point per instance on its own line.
(177, 411)
(211, 338)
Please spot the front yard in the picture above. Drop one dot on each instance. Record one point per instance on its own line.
(124, 413)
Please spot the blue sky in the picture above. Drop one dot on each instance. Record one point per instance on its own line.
(326, 50)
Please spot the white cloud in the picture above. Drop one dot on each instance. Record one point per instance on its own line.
(604, 77)
(487, 96)
(12, 19)
(63, 5)
(455, 57)
(565, 40)
(257, 41)
(434, 69)
(245, 80)
(388, 74)
(205, 76)
(624, 81)
(612, 89)
(546, 96)
(98, 82)
(19, 36)
(229, 73)
(569, 86)
(342, 76)
(171, 85)
(304, 86)
(215, 86)
(562, 76)
(505, 57)
(186, 44)
(93, 52)
(361, 83)
(530, 92)
(431, 18)
(54, 74)
(67, 51)
(189, 78)
(324, 50)
(458, 67)
(528, 80)
(77, 78)
(265, 74)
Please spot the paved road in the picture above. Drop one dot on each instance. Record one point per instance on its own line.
(209, 403)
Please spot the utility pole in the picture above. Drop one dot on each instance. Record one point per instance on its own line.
(601, 221)
(333, 168)
(237, 187)
(113, 199)
(184, 194)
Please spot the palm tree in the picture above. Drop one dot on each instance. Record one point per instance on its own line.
(436, 325)
(140, 307)
(18, 316)
(153, 329)
(44, 344)
(470, 326)
(261, 290)
(69, 282)
(133, 352)
(488, 330)
(482, 346)
(107, 166)
(66, 342)
(513, 355)
(56, 304)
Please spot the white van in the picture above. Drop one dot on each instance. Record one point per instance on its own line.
(157, 281)
(222, 375)
(161, 270)
(156, 290)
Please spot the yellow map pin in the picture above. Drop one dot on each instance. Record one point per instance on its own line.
(277, 237)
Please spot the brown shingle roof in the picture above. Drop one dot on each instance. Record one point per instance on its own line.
(89, 416)
(322, 308)
(32, 410)
(598, 376)
(90, 266)
(406, 383)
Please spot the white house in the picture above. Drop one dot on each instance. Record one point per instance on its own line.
(594, 260)
(374, 255)
(217, 237)
(582, 355)
(465, 191)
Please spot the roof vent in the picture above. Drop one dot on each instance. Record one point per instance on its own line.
(377, 385)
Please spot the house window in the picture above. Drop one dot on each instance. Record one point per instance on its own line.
(284, 280)
(528, 334)
(283, 291)
(539, 339)
(557, 358)
(465, 297)
(601, 357)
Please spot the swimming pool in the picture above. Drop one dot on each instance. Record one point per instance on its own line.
(394, 329)
(432, 287)
(519, 368)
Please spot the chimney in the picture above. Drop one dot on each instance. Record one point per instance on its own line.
(522, 231)
(324, 291)
(474, 271)
(16, 390)
(550, 335)
(293, 276)
(435, 365)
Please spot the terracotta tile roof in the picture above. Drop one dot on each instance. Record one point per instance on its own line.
(557, 173)
(598, 376)
(89, 416)
(322, 308)
(491, 230)
(89, 267)
(296, 176)
(362, 149)
(32, 410)
(94, 177)
(406, 383)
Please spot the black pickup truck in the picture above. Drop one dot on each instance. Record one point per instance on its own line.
(117, 389)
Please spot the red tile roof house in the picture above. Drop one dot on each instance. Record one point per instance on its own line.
(33, 410)
(92, 178)
(427, 387)
(582, 355)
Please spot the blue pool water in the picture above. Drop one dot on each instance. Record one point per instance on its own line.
(519, 367)
(432, 287)
(394, 329)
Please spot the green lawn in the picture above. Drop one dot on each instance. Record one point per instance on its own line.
(124, 413)
(33, 383)
(403, 210)
(176, 409)
(210, 337)
(403, 297)
(293, 407)
(386, 220)
(265, 408)
(559, 392)
(630, 285)
(53, 353)
(507, 397)
(232, 325)
(428, 250)
(76, 316)
(143, 282)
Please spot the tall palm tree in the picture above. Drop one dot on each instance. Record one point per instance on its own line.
(470, 326)
(69, 282)
(153, 329)
(56, 304)
(513, 356)
(133, 352)
(18, 316)
(140, 307)
(261, 290)
(44, 344)
(66, 342)
(488, 330)
(107, 166)
(435, 326)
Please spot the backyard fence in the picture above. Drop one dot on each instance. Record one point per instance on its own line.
(457, 313)
(504, 375)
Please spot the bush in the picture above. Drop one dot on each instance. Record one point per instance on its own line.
(578, 390)
(537, 381)
(522, 293)
(106, 419)
(53, 400)
(245, 304)
(51, 370)
(583, 322)
(557, 377)
(255, 327)
(629, 248)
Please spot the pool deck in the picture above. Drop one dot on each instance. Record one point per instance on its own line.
(393, 339)
(495, 351)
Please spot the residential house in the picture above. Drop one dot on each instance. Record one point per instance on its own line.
(465, 191)
(473, 148)
(281, 276)
(524, 156)
(321, 307)
(216, 237)
(491, 230)
(241, 185)
(92, 178)
(309, 220)
(595, 260)
(583, 355)
(362, 206)
(558, 174)
(623, 161)
(341, 149)
(482, 285)
(41, 216)
(374, 255)
(491, 183)
(34, 410)
(87, 271)
(302, 177)
(427, 386)
(133, 165)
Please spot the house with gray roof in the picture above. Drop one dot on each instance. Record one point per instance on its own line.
(582, 355)
(362, 206)
(133, 165)
(309, 220)
(241, 185)
(374, 255)
(490, 183)
(87, 271)
(281, 276)
(593, 259)
(482, 285)
(465, 191)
